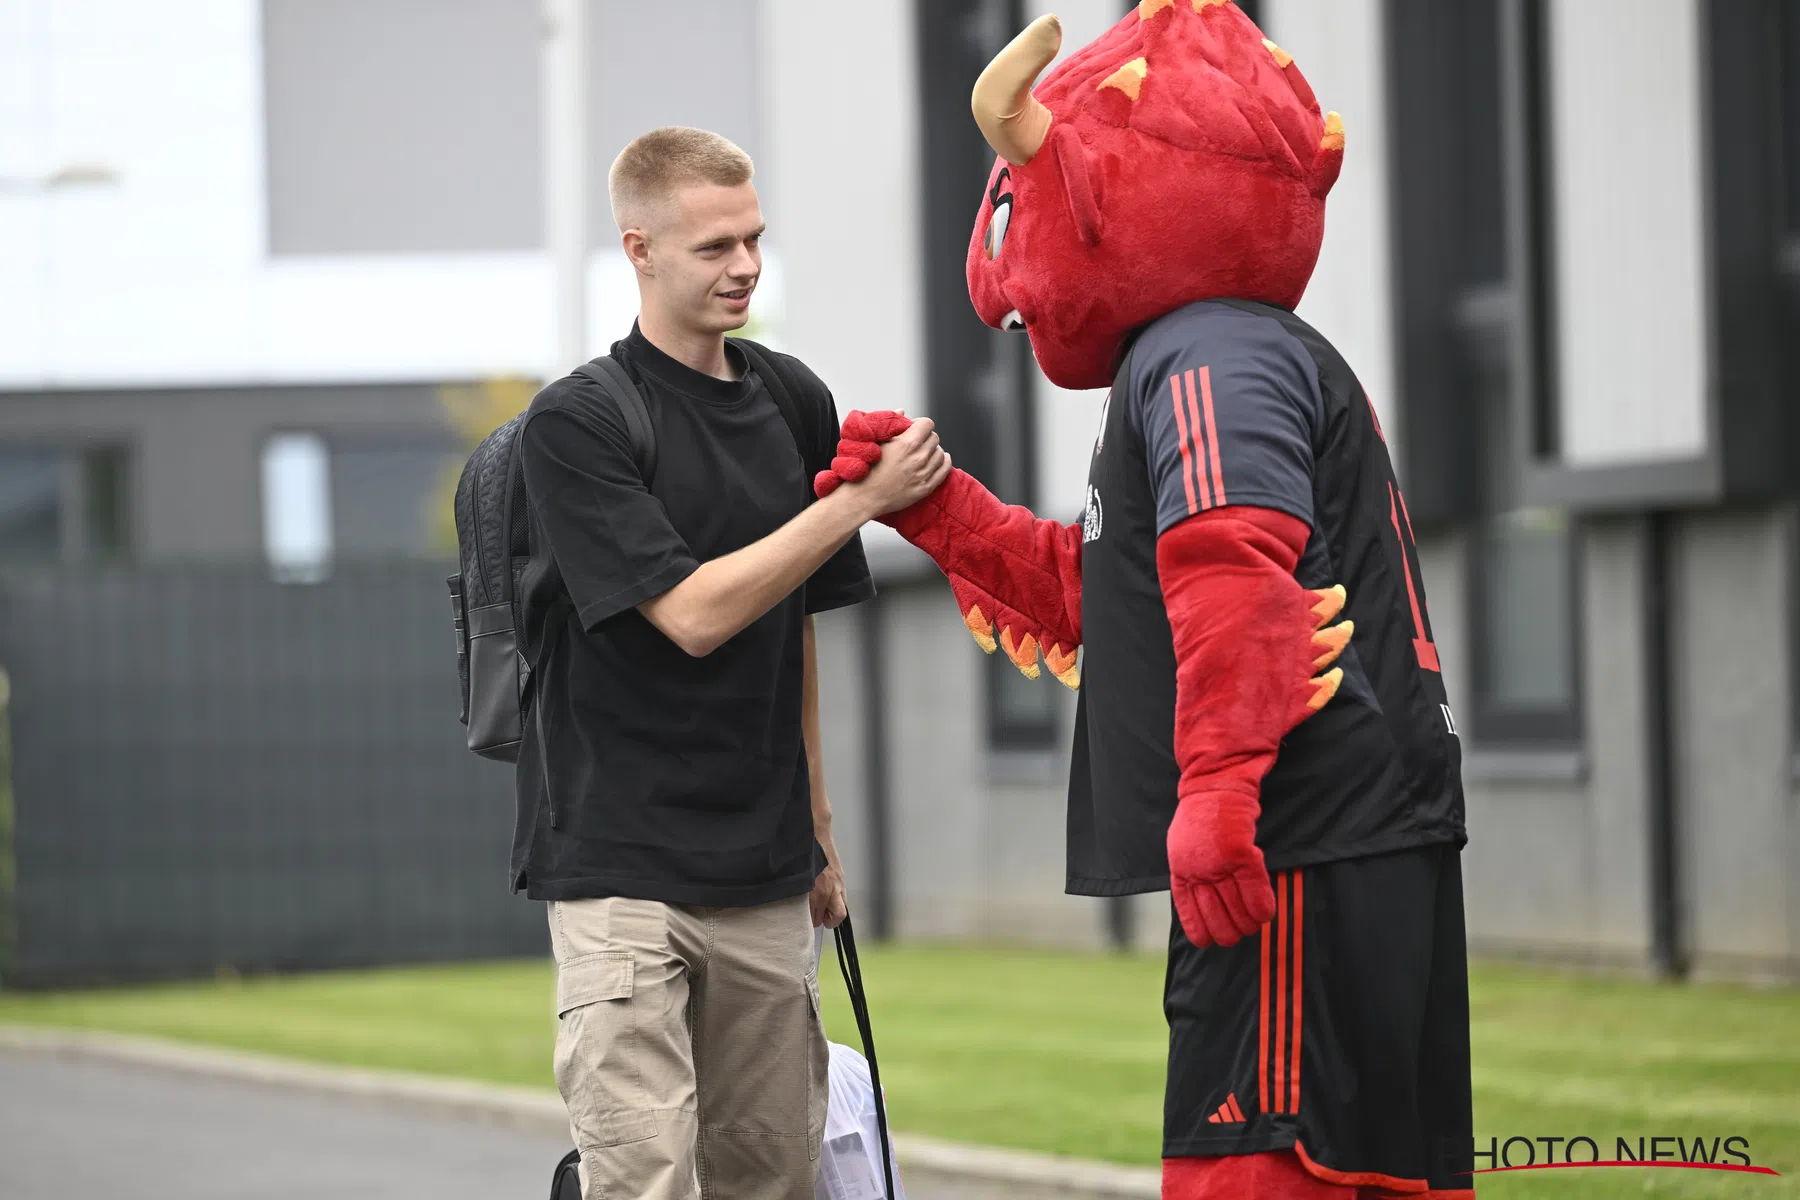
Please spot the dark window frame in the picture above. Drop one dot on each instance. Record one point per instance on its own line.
(982, 381)
(1771, 128)
(82, 476)
(1475, 310)
(342, 444)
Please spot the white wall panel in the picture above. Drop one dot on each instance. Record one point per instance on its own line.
(1340, 49)
(839, 183)
(1627, 169)
(165, 279)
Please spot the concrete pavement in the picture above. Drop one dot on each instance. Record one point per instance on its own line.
(103, 1114)
(71, 1127)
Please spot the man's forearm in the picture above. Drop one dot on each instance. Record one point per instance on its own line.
(724, 596)
(809, 732)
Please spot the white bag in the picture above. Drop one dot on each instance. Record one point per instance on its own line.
(850, 1159)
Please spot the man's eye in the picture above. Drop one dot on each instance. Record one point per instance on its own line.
(996, 230)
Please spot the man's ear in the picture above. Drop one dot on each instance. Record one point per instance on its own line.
(637, 250)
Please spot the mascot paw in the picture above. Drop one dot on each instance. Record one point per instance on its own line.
(1216, 873)
(996, 625)
(859, 448)
(1328, 642)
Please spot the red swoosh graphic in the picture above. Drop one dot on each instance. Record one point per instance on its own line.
(1696, 1166)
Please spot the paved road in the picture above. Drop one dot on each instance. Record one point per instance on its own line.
(85, 1128)
(82, 1127)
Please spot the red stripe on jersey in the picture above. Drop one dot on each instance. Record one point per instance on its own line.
(1422, 646)
(1299, 936)
(1262, 1028)
(1372, 415)
(1281, 987)
(1428, 655)
(1206, 494)
(1212, 434)
(1187, 461)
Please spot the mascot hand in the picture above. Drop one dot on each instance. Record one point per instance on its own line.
(859, 449)
(1016, 578)
(1216, 873)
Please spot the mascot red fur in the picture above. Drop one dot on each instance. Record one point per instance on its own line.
(1152, 219)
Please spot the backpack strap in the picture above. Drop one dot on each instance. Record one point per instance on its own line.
(613, 380)
(785, 387)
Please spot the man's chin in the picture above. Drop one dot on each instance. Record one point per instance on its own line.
(728, 321)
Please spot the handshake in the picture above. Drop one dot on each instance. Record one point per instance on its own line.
(912, 467)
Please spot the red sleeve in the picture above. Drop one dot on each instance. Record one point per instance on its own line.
(1016, 576)
(1248, 643)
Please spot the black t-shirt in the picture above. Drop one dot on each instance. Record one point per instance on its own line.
(671, 777)
(1222, 403)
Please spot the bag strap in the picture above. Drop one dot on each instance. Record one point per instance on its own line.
(784, 387)
(613, 380)
(851, 966)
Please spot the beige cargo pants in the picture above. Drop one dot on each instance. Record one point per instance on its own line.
(689, 1048)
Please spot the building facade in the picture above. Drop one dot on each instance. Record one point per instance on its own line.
(1563, 257)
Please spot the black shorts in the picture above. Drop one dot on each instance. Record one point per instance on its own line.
(1340, 1031)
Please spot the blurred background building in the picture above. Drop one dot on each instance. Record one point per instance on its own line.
(266, 268)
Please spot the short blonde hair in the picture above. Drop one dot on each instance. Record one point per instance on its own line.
(648, 171)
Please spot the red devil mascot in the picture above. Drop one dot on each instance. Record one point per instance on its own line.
(1151, 222)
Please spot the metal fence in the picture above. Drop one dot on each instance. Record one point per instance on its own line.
(211, 770)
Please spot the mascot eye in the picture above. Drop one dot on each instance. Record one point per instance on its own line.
(1001, 217)
(996, 231)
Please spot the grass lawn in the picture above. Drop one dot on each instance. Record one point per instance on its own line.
(1064, 1052)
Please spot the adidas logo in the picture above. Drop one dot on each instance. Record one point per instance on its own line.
(1229, 1113)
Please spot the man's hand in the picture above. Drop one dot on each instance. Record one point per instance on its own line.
(828, 900)
(911, 467)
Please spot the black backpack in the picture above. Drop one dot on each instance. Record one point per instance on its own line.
(493, 547)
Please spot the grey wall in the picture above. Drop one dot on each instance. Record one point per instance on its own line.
(196, 454)
(397, 126)
(977, 847)
(209, 769)
(1558, 860)
(1737, 818)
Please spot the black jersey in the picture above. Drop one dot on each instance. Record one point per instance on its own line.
(1230, 402)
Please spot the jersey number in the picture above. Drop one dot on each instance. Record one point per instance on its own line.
(1409, 551)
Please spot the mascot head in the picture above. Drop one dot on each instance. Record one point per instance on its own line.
(1179, 157)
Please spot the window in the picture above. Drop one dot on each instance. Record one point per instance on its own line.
(387, 497)
(1022, 713)
(296, 487)
(1476, 349)
(1788, 251)
(62, 505)
(981, 380)
(354, 499)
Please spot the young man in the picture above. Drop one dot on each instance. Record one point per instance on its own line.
(675, 816)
